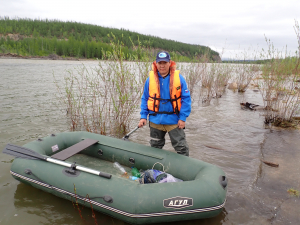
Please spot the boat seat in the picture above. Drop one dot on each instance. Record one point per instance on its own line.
(74, 149)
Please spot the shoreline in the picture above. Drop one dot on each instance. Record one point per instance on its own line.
(49, 57)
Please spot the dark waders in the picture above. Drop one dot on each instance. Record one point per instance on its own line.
(177, 137)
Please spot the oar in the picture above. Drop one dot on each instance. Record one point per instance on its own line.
(26, 153)
(127, 135)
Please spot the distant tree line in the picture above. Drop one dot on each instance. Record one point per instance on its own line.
(44, 37)
(287, 61)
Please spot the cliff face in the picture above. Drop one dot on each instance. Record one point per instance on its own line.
(217, 58)
(14, 37)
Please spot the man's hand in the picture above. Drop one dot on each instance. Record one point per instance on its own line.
(181, 124)
(142, 123)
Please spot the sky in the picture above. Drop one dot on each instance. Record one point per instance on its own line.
(235, 29)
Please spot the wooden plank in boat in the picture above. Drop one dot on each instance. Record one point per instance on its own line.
(74, 149)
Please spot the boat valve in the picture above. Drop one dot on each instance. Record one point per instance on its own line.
(132, 160)
(28, 171)
(100, 152)
(223, 181)
(108, 199)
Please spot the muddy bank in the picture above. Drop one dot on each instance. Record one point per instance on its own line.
(49, 57)
(266, 200)
(281, 146)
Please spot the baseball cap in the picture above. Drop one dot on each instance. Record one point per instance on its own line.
(163, 56)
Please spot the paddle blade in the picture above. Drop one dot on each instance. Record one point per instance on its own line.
(22, 152)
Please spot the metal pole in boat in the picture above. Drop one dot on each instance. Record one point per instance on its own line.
(127, 135)
(81, 168)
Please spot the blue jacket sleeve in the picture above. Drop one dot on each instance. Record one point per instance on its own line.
(144, 106)
(186, 102)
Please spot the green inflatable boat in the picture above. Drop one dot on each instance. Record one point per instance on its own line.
(59, 162)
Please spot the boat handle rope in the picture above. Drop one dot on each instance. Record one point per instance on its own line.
(160, 164)
(143, 174)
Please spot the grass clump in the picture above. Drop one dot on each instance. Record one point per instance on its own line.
(293, 192)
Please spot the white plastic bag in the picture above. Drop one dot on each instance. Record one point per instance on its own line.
(169, 179)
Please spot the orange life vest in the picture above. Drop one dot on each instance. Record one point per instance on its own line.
(154, 90)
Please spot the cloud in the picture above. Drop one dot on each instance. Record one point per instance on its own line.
(233, 25)
(20, 9)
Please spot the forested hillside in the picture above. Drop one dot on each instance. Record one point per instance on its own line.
(72, 39)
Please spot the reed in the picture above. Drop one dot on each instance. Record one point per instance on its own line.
(243, 69)
(104, 99)
(222, 75)
(76, 204)
(279, 86)
(193, 73)
(245, 74)
(297, 31)
(214, 81)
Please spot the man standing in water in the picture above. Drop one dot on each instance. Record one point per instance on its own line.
(167, 100)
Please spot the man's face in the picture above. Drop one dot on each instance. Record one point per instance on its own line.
(163, 68)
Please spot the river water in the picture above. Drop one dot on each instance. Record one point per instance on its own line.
(222, 134)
